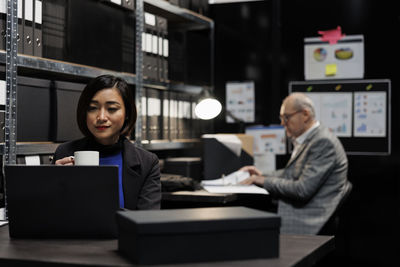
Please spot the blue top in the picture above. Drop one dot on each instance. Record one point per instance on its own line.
(115, 159)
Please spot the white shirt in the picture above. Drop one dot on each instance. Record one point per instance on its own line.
(297, 142)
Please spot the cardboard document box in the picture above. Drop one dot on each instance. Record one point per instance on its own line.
(197, 235)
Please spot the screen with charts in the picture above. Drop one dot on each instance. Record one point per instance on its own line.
(357, 111)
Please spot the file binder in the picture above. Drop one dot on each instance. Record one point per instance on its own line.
(143, 113)
(173, 115)
(28, 27)
(128, 44)
(184, 116)
(154, 113)
(3, 89)
(129, 4)
(20, 34)
(65, 103)
(151, 46)
(37, 29)
(165, 115)
(162, 55)
(3, 21)
(33, 110)
(53, 29)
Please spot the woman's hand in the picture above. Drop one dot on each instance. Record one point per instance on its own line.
(65, 161)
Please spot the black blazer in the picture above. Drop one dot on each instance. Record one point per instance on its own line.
(140, 176)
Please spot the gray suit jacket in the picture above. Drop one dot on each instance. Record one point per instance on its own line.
(311, 185)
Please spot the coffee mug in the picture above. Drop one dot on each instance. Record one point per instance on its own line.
(86, 157)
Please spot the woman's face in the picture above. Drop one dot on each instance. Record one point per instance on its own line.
(106, 116)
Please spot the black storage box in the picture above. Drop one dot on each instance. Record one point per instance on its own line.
(197, 235)
(187, 166)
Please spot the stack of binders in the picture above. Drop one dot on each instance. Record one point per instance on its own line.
(155, 48)
(29, 36)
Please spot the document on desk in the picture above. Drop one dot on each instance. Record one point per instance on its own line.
(230, 184)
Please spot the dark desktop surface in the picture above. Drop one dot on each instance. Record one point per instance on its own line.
(295, 250)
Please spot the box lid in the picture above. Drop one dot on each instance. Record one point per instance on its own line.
(195, 220)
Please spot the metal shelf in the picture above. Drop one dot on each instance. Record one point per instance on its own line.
(63, 68)
(37, 148)
(34, 148)
(170, 145)
(178, 17)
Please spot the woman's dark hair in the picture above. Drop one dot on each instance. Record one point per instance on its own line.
(100, 83)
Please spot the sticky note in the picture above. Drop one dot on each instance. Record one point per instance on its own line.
(330, 69)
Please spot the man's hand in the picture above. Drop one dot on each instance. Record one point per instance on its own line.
(65, 161)
(254, 179)
(251, 169)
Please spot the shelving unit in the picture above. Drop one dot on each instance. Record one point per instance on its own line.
(178, 19)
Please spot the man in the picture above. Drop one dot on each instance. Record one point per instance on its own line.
(314, 180)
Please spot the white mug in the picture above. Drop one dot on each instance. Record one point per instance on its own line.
(86, 158)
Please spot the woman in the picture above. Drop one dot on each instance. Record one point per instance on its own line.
(106, 114)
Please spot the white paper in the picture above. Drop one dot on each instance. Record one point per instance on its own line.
(370, 114)
(2, 216)
(19, 11)
(2, 92)
(165, 48)
(149, 19)
(165, 108)
(154, 108)
(3, 6)
(231, 179)
(230, 184)
(118, 2)
(38, 12)
(149, 43)
(334, 111)
(29, 10)
(240, 101)
(32, 160)
(144, 105)
(155, 44)
(238, 189)
(173, 108)
(143, 41)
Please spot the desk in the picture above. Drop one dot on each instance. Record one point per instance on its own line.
(203, 198)
(299, 250)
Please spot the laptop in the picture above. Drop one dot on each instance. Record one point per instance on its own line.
(50, 201)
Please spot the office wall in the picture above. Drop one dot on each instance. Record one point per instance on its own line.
(269, 36)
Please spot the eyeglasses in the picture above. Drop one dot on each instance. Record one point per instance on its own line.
(286, 117)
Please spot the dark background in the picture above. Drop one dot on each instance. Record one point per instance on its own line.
(263, 42)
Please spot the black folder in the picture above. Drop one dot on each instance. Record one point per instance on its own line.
(33, 110)
(53, 29)
(65, 103)
(37, 28)
(20, 34)
(219, 160)
(28, 27)
(165, 115)
(3, 22)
